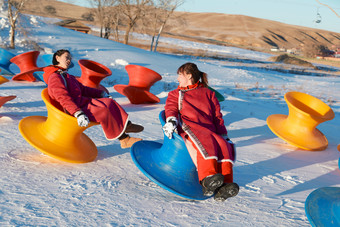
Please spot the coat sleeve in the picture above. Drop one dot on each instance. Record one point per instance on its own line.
(58, 91)
(171, 104)
(218, 117)
(90, 92)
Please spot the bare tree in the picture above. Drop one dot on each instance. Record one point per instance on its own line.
(164, 10)
(109, 15)
(134, 10)
(14, 9)
(99, 5)
(113, 20)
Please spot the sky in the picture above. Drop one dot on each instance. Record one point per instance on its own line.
(296, 12)
(301, 12)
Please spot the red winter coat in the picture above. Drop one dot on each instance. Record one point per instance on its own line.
(199, 115)
(65, 90)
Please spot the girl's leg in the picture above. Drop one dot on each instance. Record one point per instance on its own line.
(204, 167)
(208, 167)
(226, 168)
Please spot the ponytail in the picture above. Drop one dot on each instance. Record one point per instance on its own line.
(204, 79)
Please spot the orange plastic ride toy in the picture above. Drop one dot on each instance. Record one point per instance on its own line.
(299, 127)
(58, 135)
(4, 99)
(140, 81)
(27, 63)
(93, 73)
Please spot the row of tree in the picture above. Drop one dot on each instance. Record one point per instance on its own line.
(113, 16)
(154, 14)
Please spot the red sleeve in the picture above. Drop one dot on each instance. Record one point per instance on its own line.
(57, 91)
(171, 104)
(90, 92)
(218, 117)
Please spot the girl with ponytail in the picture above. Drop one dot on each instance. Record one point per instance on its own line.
(194, 111)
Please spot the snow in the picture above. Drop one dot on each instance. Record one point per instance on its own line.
(275, 178)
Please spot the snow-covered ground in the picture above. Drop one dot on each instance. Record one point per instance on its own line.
(275, 178)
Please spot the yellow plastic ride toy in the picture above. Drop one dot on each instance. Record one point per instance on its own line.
(299, 127)
(3, 79)
(58, 135)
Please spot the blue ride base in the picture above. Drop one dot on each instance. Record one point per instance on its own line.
(5, 57)
(169, 165)
(322, 207)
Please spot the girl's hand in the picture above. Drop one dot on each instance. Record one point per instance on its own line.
(170, 126)
(82, 119)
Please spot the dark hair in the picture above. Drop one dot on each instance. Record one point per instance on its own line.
(191, 68)
(58, 53)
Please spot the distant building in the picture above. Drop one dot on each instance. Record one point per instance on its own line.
(74, 25)
(274, 49)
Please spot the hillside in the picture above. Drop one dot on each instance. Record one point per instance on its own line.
(252, 32)
(223, 29)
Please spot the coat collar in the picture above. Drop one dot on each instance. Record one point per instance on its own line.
(49, 70)
(191, 87)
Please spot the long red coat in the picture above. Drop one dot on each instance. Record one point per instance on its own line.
(65, 90)
(199, 115)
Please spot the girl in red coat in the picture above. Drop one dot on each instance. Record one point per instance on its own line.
(87, 104)
(195, 108)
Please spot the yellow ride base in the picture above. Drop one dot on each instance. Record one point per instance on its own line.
(58, 135)
(80, 150)
(3, 79)
(311, 140)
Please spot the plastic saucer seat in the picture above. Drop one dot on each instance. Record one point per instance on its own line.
(218, 95)
(5, 57)
(169, 165)
(58, 135)
(92, 73)
(322, 207)
(4, 99)
(27, 62)
(140, 81)
(3, 80)
(299, 127)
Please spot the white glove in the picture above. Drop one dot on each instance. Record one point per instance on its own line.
(106, 95)
(82, 119)
(170, 126)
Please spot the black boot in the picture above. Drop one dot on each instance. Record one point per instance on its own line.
(211, 183)
(133, 128)
(226, 191)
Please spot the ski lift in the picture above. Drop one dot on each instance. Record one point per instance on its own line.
(318, 17)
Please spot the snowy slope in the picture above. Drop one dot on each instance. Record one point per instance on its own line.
(275, 178)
